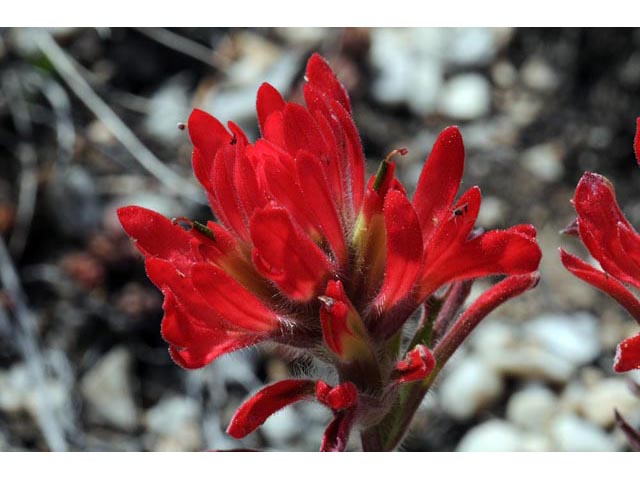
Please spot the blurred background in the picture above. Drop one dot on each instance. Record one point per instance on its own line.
(88, 123)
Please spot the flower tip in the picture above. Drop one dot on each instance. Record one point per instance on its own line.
(130, 215)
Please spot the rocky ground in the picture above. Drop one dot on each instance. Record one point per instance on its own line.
(82, 364)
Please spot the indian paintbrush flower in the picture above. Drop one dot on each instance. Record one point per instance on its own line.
(614, 243)
(309, 256)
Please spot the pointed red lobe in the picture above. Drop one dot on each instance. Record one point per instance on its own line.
(353, 152)
(237, 305)
(627, 355)
(286, 255)
(335, 162)
(598, 218)
(255, 411)
(338, 398)
(334, 314)
(342, 328)
(276, 174)
(156, 236)
(318, 197)
(498, 252)
(336, 435)
(193, 345)
(207, 135)
(321, 77)
(249, 193)
(417, 365)
(602, 281)
(404, 250)
(301, 131)
(439, 181)
(225, 192)
(167, 278)
(269, 101)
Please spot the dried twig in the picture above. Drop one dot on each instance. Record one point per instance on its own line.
(633, 435)
(48, 421)
(185, 46)
(26, 152)
(65, 67)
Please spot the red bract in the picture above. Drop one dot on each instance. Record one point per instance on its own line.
(614, 243)
(309, 256)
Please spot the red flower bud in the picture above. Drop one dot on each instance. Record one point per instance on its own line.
(417, 365)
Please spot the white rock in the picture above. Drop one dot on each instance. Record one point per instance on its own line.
(492, 336)
(538, 75)
(544, 161)
(574, 434)
(168, 106)
(492, 436)
(282, 427)
(531, 362)
(471, 46)
(468, 387)
(304, 35)
(573, 337)
(237, 367)
(492, 212)
(175, 420)
(106, 388)
(504, 74)
(409, 66)
(426, 82)
(532, 408)
(466, 97)
(19, 392)
(599, 402)
(536, 442)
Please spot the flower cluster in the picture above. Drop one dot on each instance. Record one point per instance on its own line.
(613, 242)
(309, 256)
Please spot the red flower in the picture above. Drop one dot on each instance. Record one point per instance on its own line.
(309, 256)
(614, 243)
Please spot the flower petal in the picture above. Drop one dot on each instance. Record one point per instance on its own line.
(338, 398)
(598, 218)
(439, 181)
(317, 195)
(167, 278)
(498, 252)
(286, 255)
(192, 344)
(320, 76)
(628, 355)
(228, 203)
(404, 250)
(156, 236)
(602, 281)
(237, 305)
(207, 135)
(269, 101)
(417, 365)
(336, 435)
(352, 151)
(255, 411)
